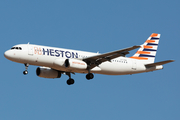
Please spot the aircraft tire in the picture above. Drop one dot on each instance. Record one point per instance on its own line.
(70, 81)
(25, 72)
(89, 76)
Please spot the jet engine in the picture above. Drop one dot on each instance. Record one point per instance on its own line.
(70, 63)
(75, 64)
(46, 72)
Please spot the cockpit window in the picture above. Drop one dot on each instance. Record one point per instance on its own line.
(17, 48)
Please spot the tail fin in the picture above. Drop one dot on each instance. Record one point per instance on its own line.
(148, 50)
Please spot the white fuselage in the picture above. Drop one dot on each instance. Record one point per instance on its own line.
(46, 56)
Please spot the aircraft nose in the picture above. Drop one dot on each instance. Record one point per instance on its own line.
(7, 54)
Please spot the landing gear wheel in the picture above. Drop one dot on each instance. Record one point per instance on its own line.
(25, 72)
(89, 76)
(26, 66)
(70, 81)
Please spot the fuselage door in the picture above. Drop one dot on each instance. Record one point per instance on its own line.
(30, 49)
(134, 64)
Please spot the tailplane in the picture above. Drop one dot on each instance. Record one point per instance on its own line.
(148, 50)
(158, 63)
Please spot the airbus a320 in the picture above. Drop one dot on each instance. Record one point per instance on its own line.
(54, 61)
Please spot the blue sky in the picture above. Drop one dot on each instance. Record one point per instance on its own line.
(96, 25)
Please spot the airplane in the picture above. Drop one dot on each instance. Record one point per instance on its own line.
(54, 61)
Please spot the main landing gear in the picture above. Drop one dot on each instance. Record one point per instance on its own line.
(89, 76)
(26, 66)
(71, 81)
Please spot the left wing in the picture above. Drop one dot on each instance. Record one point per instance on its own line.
(94, 61)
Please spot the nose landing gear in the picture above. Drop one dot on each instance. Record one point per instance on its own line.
(26, 67)
(25, 72)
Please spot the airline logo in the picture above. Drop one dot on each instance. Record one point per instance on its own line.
(55, 52)
(148, 49)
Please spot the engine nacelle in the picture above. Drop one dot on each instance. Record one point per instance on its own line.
(46, 72)
(74, 63)
(70, 63)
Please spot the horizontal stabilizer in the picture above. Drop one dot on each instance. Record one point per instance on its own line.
(159, 63)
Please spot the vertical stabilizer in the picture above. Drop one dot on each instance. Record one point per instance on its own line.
(148, 50)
